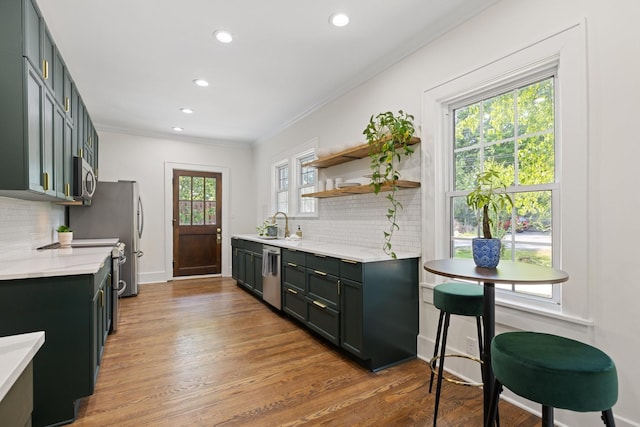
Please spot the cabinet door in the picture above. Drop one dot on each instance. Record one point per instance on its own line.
(257, 273)
(67, 159)
(48, 142)
(96, 336)
(35, 104)
(49, 60)
(234, 263)
(249, 278)
(294, 303)
(324, 320)
(59, 125)
(58, 78)
(351, 317)
(33, 36)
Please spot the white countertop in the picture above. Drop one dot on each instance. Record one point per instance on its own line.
(16, 351)
(353, 253)
(52, 262)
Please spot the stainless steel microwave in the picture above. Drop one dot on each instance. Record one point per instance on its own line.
(84, 180)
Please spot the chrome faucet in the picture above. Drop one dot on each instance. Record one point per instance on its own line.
(286, 222)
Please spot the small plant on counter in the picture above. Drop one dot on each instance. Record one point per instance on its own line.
(262, 229)
(63, 229)
(388, 136)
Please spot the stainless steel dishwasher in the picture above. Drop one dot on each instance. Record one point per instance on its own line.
(271, 287)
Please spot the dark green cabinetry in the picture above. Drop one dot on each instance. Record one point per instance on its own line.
(246, 264)
(73, 311)
(37, 115)
(368, 309)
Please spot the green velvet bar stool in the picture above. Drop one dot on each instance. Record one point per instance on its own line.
(463, 299)
(554, 371)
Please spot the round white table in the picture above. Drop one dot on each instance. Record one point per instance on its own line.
(509, 272)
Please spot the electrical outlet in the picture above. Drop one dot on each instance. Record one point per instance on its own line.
(472, 346)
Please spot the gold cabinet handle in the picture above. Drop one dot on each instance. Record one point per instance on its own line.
(348, 261)
(67, 190)
(101, 298)
(45, 178)
(322, 273)
(67, 104)
(290, 264)
(291, 291)
(80, 153)
(319, 304)
(338, 284)
(45, 69)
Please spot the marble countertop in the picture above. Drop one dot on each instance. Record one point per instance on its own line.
(353, 253)
(16, 351)
(53, 262)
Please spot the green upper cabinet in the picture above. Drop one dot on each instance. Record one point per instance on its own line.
(38, 115)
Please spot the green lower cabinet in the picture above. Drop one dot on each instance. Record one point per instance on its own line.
(324, 320)
(67, 310)
(351, 322)
(294, 303)
(367, 309)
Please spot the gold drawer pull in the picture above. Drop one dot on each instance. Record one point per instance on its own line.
(290, 264)
(348, 261)
(322, 273)
(291, 291)
(319, 304)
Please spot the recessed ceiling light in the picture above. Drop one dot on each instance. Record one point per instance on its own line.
(339, 19)
(201, 83)
(223, 36)
(177, 129)
(186, 110)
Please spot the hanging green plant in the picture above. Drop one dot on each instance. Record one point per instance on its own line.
(389, 138)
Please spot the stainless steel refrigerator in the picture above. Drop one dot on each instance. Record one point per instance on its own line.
(115, 211)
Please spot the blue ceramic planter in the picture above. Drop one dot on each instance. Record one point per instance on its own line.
(486, 252)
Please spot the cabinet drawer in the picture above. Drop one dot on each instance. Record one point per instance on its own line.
(237, 243)
(323, 287)
(294, 303)
(253, 246)
(293, 257)
(323, 263)
(351, 270)
(294, 277)
(324, 320)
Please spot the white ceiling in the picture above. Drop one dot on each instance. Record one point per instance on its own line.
(134, 61)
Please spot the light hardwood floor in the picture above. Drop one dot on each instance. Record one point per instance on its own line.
(204, 352)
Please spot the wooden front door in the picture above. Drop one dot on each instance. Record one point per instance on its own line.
(197, 223)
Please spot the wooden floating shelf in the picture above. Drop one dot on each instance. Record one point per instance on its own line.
(360, 189)
(358, 152)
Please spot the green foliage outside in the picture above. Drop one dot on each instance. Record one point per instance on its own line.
(513, 134)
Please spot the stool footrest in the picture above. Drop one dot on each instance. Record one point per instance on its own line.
(434, 369)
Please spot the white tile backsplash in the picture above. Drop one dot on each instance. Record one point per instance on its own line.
(26, 225)
(360, 220)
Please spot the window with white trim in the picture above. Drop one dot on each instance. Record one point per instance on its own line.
(282, 186)
(305, 183)
(290, 186)
(562, 55)
(510, 129)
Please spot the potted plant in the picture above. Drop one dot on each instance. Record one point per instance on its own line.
(65, 235)
(388, 136)
(489, 195)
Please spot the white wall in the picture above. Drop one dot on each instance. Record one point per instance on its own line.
(613, 150)
(142, 159)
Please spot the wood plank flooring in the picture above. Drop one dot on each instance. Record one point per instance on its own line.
(203, 352)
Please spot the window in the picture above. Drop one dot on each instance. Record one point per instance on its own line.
(197, 200)
(290, 186)
(306, 183)
(282, 187)
(513, 132)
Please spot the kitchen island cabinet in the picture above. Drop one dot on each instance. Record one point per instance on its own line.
(360, 300)
(246, 265)
(73, 311)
